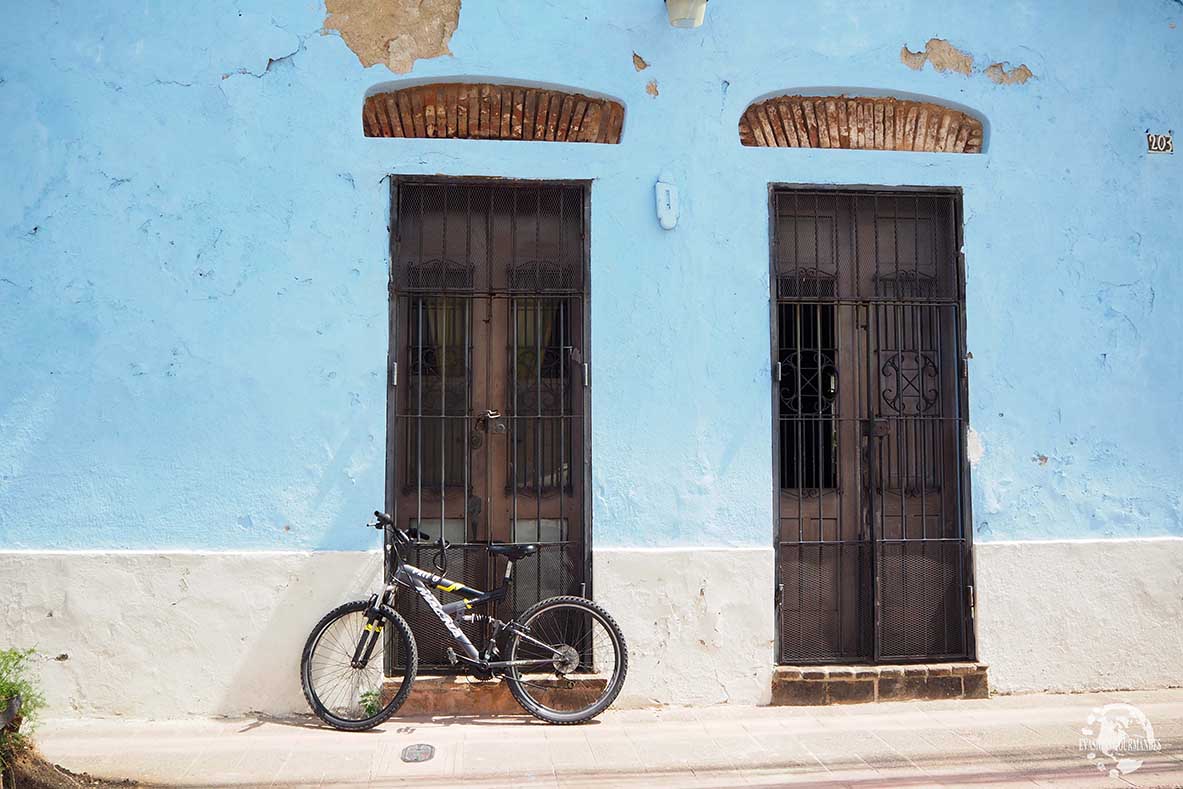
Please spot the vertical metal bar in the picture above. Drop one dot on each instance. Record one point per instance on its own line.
(918, 314)
(562, 316)
(419, 422)
(880, 483)
(584, 419)
(819, 469)
(959, 352)
(538, 453)
(900, 459)
(875, 448)
(537, 235)
(445, 334)
(419, 370)
(936, 424)
(466, 424)
(939, 432)
(776, 315)
(960, 414)
(389, 651)
(817, 358)
(538, 456)
(564, 358)
(875, 224)
(514, 419)
(834, 432)
(855, 486)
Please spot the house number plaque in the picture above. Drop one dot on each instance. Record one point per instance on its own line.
(1160, 143)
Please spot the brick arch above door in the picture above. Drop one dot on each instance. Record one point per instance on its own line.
(860, 123)
(487, 111)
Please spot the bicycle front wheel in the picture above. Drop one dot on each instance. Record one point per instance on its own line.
(575, 660)
(358, 697)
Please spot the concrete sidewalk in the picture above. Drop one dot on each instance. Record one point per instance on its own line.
(1004, 741)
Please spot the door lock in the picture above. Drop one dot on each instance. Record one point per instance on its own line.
(490, 421)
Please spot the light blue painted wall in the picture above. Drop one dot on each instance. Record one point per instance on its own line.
(193, 260)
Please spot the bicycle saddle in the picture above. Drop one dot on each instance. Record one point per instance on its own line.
(513, 552)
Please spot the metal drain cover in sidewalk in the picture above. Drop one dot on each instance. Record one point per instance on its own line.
(419, 752)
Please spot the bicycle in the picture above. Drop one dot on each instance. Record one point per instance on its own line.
(565, 658)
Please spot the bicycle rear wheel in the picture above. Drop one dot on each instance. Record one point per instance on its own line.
(356, 698)
(580, 660)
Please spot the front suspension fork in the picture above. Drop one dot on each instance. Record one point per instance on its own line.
(372, 631)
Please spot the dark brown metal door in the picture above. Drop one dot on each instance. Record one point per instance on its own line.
(487, 440)
(871, 498)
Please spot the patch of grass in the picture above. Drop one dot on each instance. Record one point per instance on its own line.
(369, 702)
(15, 680)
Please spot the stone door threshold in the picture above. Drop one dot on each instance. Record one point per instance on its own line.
(853, 684)
(449, 694)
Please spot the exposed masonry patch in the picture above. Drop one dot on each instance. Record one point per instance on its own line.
(943, 56)
(394, 32)
(883, 123)
(1016, 76)
(651, 88)
(639, 62)
(494, 112)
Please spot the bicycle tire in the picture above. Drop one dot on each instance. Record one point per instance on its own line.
(407, 646)
(615, 682)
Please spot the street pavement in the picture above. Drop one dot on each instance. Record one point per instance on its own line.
(1024, 740)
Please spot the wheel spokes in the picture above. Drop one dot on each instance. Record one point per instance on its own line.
(583, 673)
(348, 693)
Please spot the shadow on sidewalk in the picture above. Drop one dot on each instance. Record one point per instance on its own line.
(406, 725)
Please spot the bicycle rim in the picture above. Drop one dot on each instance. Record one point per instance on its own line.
(587, 671)
(351, 695)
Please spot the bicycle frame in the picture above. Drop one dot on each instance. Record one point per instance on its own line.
(448, 613)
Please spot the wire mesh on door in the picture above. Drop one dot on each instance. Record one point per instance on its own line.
(487, 421)
(871, 537)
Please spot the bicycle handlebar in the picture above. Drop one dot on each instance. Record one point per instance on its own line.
(414, 533)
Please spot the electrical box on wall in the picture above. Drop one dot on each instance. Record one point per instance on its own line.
(667, 205)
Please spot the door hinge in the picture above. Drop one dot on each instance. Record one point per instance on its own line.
(394, 374)
(778, 372)
(971, 598)
(780, 595)
(586, 375)
(583, 589)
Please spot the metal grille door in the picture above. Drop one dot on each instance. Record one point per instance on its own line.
(871, 485)
(487, 440)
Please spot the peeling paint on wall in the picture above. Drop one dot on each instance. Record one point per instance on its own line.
(974, 448)
(394, 33)
(941, 54)
(943, 57)
(651, 88)
(1016, 76)
(639, 62)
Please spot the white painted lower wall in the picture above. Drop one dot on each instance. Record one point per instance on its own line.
(1071, 616)
(699, 622)
(177, 634)
(163, 635)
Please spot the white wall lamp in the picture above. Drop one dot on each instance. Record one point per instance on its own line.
(686, 13)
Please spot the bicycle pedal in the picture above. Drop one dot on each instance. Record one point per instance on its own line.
(451, 653)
